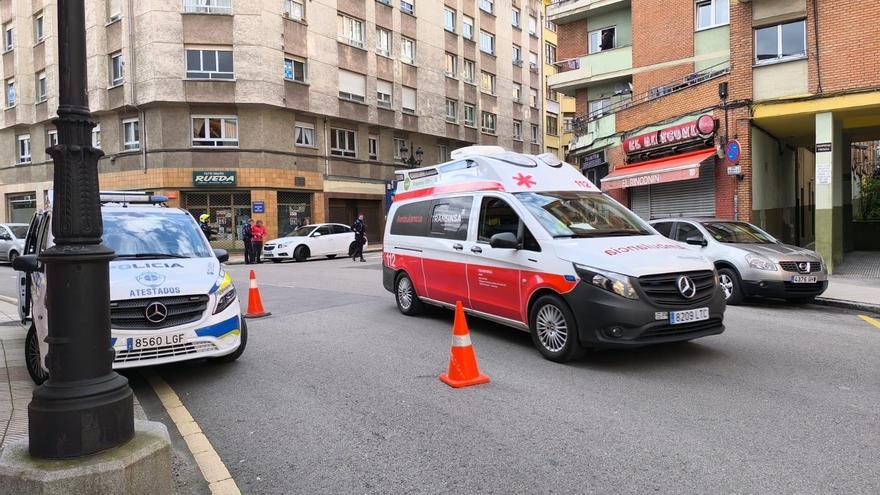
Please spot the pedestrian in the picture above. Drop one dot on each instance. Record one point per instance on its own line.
(258, 233)
(247, 236)
(359, 227)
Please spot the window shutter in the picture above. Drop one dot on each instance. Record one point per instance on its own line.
(409, 98)
(384, 87)
(353, 83)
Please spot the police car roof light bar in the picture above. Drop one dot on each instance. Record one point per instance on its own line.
(132, 197)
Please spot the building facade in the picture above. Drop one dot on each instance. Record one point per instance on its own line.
(559, 109)
(284, 111)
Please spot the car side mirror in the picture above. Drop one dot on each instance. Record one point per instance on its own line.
(697, 240)
(27, 263)
(504, 240)
(222, 255)
(316, 234)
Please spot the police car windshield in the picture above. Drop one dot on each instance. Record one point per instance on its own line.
(738, 233)
(140, 234)
(582, 214)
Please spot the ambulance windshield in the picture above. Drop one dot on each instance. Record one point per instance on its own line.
(582, 214)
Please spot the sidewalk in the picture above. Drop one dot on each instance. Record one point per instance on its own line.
(238, 258)
(15, 382)
(860, 294)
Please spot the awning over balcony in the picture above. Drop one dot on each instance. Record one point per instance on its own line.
(670, 169)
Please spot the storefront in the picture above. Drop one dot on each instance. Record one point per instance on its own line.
(294, 210)
(594, 166)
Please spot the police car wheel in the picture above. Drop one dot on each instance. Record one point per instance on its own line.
(237, 353)
(405, 294)
(730, 284)
(553, 328)
(301, 253)
(32, 357)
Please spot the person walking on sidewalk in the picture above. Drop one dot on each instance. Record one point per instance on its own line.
(247, 236)
(359, 227)
(259, 233)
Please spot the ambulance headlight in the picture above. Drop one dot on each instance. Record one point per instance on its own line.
(612, 282)
(225, 293)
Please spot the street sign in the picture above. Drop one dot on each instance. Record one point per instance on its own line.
(258, 207)
(733, 152)
(734, 170)
(823, 147)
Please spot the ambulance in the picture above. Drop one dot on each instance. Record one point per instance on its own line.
(170, 298)
(528, 242)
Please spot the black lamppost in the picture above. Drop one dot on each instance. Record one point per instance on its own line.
(84, 407)
(413, 160)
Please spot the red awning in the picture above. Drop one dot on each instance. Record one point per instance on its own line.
(669, 169)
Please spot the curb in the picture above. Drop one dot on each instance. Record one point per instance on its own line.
(839, 303)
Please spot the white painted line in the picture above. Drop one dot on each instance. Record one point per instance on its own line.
(219, 480)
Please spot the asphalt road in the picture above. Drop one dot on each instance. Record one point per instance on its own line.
(338, 393)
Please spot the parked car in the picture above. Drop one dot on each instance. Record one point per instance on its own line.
(323, 239)
(751, 262)
(12, 240)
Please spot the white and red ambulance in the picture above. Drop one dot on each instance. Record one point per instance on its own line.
(529, 242)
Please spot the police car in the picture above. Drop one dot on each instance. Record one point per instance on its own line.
(529, 242)
(171, 299)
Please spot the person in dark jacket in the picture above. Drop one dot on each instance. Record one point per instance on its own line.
(203, 224)
(359, 228)
(247, 235)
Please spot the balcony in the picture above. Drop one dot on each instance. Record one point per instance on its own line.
(593, 131)
(565, 11)
(582, 72)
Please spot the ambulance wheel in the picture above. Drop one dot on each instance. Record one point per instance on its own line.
(32, 357)
(405, 294)
(237, 353)
(301, 253)
(554, 330)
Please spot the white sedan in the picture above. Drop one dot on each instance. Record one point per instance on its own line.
(323, 239)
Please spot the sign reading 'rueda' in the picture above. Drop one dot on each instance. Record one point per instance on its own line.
(701, 128)
(203, 178)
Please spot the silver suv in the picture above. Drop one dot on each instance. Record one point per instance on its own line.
(750, 262)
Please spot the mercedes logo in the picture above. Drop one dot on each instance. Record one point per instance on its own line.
(686, 287)
(804, 267)
(156, 312)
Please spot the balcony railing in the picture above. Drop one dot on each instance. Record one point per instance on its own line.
(207, 6)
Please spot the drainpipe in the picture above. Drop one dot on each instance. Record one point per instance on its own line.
(816, 43)
(132, 57)
(326, 134)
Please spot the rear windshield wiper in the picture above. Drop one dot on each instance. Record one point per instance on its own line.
(156, 256)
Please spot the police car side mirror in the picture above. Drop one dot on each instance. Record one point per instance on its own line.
(504, 240)
(316, 234)
(697, 240)
(27, 263)
(222, 255)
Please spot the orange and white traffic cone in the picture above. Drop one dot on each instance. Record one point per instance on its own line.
(463, 370)
(255, 302)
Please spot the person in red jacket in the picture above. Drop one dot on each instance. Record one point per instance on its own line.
(258, 233)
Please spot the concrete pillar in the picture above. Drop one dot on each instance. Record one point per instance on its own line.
(829, 189)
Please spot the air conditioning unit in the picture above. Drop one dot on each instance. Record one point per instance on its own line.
(286, 14)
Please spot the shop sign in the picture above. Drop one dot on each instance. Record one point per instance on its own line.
(701, 128)
(208, 178)
(593, 160)
(659, 177)
(258, 207)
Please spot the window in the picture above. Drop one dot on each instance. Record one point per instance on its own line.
(10, 93)
(209, 64)
(603, 39)
(451, 111)
(781, 42)
(599, 108)
(96, 136)
(384, 93)
(295, 9)
(517, 92)
(373, 148)
(39, 32)
(470, 71)
(449, 20)
(487, 6)
(535, 133)
(451, 65)
(533, 61)
(131, 134)
(685, 230)
(295, 69)
(51, 137)
(352, 86)
(470, 115)
(350, 30)
(214, 131)
(489, 121)
(533, 97)
(408, 100)
(549, 53)
(487, 82)
(407, 7)
(399, 146)
(487, 42)
(517, 130)
(304, 135)
(343, 142)
(515, 18)
(665, 228)
(712, 13)
(517, 54)
(117, 69)
(450, 218)
(383, 42)
(114, 10)
(208, 6)
(8, 37)
(496, 217)
(533, 25)
(41, 86)
(442, 153)
(467, 27)
(549, 25)
(411, 219)
(552, 126)
(24, 148)
(408, 50)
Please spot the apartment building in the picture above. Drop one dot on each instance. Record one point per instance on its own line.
(559, 110)
(286, 111)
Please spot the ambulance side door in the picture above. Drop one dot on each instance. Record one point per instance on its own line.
(444, 259)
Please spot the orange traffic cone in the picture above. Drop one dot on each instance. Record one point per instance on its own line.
(463, 370)
(255, 302)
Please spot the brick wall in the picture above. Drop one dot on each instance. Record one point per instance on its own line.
(572, 40)
(741, 51)
(686, 101)
(848, 45)
(662, 32)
